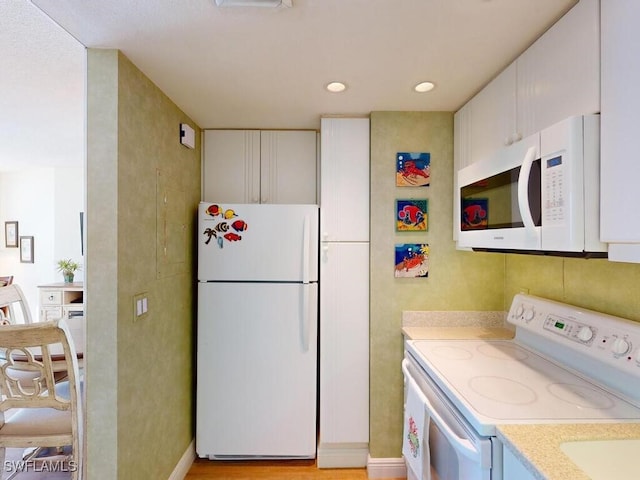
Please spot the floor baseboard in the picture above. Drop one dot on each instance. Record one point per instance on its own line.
(342, 455)
(386, 468)
(185, 462)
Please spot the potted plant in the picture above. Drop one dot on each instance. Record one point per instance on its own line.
(68, 268)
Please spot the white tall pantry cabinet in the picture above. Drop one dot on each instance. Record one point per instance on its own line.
(620, 124)
(344, 293)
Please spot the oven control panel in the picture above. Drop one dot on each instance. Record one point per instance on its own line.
(571, 329)
(560, 327)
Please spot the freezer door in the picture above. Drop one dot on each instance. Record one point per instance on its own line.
(247, 242)
(256, 373)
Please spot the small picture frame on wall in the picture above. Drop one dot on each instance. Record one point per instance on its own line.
(26, 249)
(411, 260)
(11, 234)
(412, 215)
(413, 169)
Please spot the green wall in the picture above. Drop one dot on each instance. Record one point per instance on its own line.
(143, 188)
(457, 280)
(597, 284)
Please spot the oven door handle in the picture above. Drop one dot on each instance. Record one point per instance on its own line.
(462, 445)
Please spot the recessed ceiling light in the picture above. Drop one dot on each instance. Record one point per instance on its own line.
(336, 87)
(423, 87)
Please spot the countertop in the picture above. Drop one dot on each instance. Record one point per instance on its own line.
(457, 333)
(538, 446)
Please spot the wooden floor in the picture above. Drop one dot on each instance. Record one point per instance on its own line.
(203, 469)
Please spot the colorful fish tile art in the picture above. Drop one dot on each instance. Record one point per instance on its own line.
(413, 169)
(412, 260)
(411, 215)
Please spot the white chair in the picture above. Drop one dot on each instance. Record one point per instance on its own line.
(34, 412)
(11, 297)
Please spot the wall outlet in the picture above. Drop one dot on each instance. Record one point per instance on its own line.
(140, 306)
(524, 290)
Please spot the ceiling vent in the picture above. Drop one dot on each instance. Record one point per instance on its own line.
(254, 3)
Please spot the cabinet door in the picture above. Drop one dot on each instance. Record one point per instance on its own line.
(493, 116)
(288, 167)
(344, 343)
(559, 75)
(344, 170)
(231, 166)
(513, 467)
(620, 118)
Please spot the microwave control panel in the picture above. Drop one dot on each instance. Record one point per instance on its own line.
(554, 201)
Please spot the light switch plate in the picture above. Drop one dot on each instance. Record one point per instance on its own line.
(140, 306)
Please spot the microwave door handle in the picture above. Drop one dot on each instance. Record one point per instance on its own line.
(461, 445)
(523, 188)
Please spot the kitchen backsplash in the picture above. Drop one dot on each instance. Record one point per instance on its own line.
(453, 318)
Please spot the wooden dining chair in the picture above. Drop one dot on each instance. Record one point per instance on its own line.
(35, 412)
(11, 297)
(4, 281)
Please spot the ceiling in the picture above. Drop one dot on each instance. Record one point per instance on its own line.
(253, 67)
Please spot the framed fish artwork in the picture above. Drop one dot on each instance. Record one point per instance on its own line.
(413, 169)
(411, 260)
(411, 215)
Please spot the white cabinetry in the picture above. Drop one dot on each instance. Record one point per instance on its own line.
(620, 118)
(512, 467)
(555, 78)
(559, 75)
(492, 116)
(61, 300)
(344, 293)
(260, 166)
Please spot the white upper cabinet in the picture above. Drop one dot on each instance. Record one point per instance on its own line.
(344, 172)
(260, 166)
(559, 75)
(620, 117)
(555, 78)
(493, 115)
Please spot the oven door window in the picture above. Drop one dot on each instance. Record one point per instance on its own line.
(492, 202)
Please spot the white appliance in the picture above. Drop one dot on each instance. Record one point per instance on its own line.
(565, 365)
(257, 331)
(541, 194)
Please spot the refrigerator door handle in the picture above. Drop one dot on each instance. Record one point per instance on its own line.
(304, 319)
(306, 234)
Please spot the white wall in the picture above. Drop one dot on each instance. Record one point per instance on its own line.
(46, 203)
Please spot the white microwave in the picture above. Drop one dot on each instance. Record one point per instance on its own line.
(539, 195)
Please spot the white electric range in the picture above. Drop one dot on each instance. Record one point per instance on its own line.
(565, 365)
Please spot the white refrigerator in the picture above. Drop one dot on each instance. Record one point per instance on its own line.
(256, 384)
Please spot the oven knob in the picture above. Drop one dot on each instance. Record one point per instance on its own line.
(529, 314)
(585, 334)
(519, 311)
(620, 346)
